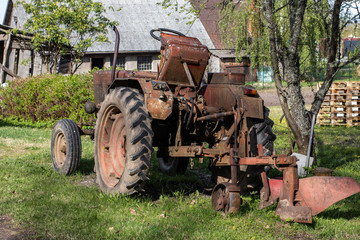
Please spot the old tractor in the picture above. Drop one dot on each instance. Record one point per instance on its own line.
(188, 119)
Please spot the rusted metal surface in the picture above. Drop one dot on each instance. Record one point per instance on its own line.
(320, 193)
(186, 92)
(321, 171)
(265, 198)
(275, 185)
(300, 214)
(158, 108)
(224, 97)
(117, 41)
(226, 197)
(174, 89)
(226, 78)
(277, 160)
(218, 97)
(158, 98)
(253, 107)
(103, 82)
(60, 148)
(235, 165)
(185, 151)
(188, 74)
(291, 206)
(215, 116)
(234, 202)
(177, 50)
(112, 146)
(87, 132)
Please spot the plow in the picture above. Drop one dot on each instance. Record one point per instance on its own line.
(190, 115)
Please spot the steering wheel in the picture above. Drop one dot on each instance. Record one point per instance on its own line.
(164, 30)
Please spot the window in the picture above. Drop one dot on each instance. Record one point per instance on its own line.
(16, 61)
(144, 63)
(97, 63)
(120, 62)
(65, 65)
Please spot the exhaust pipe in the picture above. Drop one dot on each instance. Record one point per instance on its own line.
(116, 50)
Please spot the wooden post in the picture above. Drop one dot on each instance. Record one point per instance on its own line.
(5, 59)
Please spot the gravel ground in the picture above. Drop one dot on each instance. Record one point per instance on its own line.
(271, 98)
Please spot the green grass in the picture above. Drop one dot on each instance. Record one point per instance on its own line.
(59, 207)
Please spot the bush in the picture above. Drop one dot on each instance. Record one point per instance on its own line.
(48, 97)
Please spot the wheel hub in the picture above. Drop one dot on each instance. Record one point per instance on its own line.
(224, 200)
(112, 146)
(60, 149)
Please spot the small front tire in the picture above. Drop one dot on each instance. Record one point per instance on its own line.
(66, 147)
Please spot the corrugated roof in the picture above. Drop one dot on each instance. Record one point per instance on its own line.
(136, 18)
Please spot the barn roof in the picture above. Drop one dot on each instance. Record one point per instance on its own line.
(136, 18)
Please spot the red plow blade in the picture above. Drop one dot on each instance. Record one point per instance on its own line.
(319, 193)
(313, 195)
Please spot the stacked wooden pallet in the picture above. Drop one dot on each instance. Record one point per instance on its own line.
(341, 105)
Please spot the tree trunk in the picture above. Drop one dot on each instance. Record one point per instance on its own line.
(291, 99)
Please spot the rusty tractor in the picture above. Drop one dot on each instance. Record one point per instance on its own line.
(187, 119)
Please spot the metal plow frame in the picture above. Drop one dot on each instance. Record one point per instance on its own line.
(299, 199)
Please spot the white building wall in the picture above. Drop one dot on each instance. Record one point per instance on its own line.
(24, 66)
(214, 64)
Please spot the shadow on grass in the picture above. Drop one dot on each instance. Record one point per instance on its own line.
(340, 214)
(337, 146)
(346, 209)
(194, 180)
(87, 166)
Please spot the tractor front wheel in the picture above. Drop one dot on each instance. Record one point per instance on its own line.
(123, 142)
(65, 147)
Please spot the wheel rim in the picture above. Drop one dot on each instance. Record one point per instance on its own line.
(60, 149)
(220, 198)
(111, 146)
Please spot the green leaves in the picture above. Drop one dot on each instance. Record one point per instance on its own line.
(48, 97)
(242, 28)
(67, 27)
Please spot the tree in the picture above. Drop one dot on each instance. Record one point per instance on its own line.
(67, 27)
(290, 35)
(286, 60)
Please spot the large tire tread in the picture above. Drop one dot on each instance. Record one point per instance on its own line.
(139, 140)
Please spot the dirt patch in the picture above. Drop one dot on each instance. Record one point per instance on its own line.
(8, 230)
(88, 180)
(271, 98)
(7, 148)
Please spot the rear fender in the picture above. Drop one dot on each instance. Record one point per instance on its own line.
(224, 97)
(158, 97)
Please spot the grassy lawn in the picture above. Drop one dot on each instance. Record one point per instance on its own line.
(59, 207)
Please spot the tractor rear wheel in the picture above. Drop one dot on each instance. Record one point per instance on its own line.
(65, 147)
(123, 142)
(264, 135)
(260, 133)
